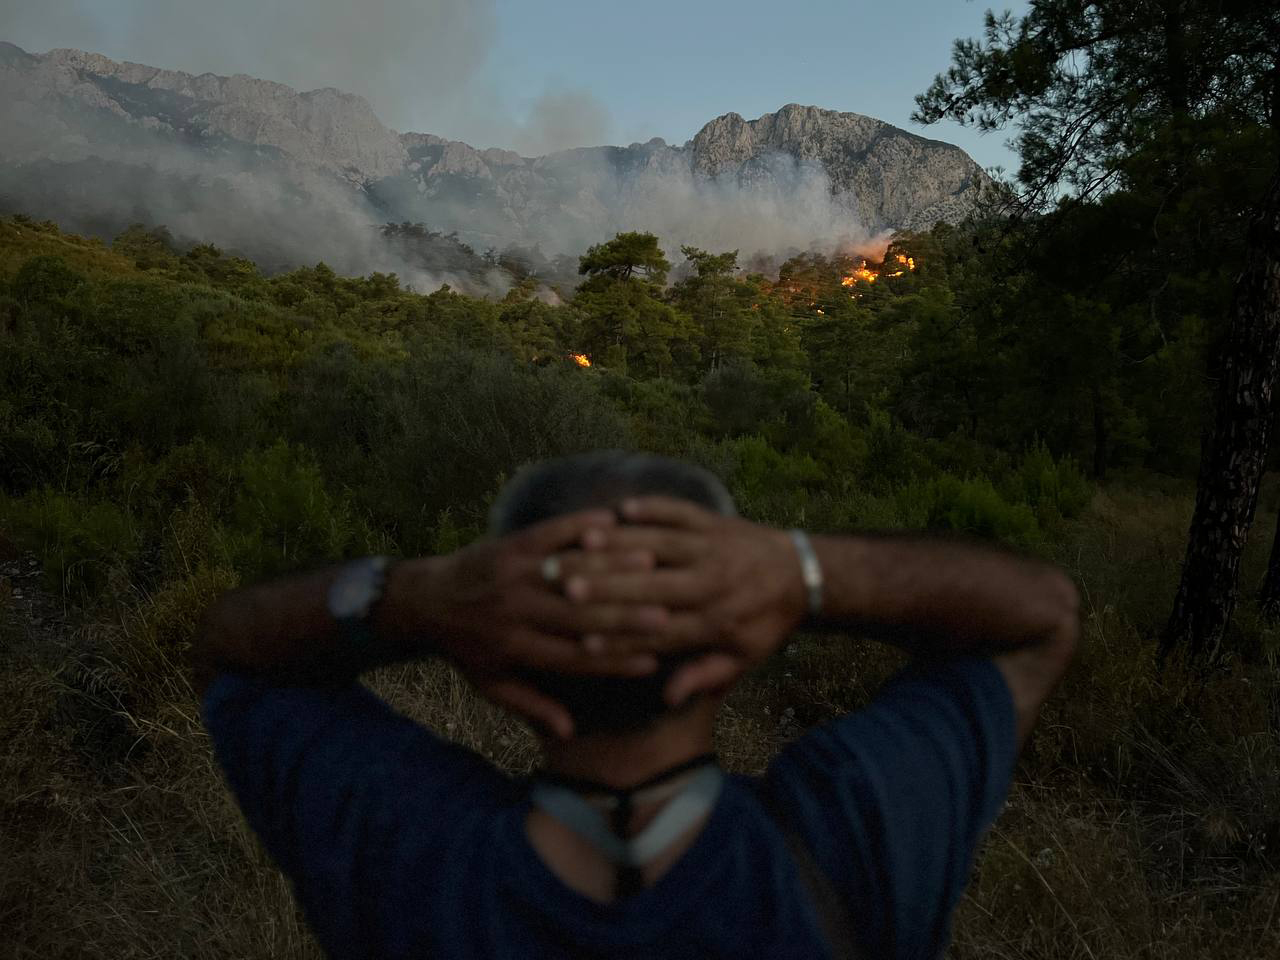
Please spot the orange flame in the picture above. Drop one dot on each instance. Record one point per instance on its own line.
(581, 359)
(868, 275)
(862, 273)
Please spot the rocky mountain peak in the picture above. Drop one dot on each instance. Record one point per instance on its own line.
(725, 142)
(324, 127)
(889, 177)
(12, 54)
(787, 179)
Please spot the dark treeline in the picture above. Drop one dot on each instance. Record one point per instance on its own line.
(299, 417)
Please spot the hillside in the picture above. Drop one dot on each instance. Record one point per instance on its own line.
(261, 168)
(172, 424)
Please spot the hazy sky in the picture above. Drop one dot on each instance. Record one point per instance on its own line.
(536, 76)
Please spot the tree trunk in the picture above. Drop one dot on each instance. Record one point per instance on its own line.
(1234, 448)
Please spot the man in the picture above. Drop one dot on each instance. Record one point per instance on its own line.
(618, 631)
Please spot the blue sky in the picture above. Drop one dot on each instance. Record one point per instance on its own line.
(665, 67)
(557, 73)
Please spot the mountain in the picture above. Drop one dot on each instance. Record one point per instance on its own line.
(256, 165)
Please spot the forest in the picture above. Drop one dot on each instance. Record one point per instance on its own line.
(1081, 371)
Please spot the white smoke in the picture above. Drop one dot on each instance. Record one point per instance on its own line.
(561, 118)
(420, 63)
(782, 206)
(789, 207)
(98, 175)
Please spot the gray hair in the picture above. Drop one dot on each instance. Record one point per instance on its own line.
(602, 478)
(550, 488)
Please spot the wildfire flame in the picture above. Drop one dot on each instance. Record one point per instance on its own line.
(867, 275)
(862, 273)
(581, 359)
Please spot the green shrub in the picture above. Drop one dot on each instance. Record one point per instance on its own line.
(960, 454)
(770, 486)
(196, 472)
(10, 308)
(283, 517)
(891, 460)
(854, 510)
(45, 281)
(972, 507)
(450, 536)
(834, 442)
(1053, 488)
(665, 414)
(80, 543)
(448, 421)
(744, 398)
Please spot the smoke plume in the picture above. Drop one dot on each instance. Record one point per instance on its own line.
(420, 63)
(562, 118)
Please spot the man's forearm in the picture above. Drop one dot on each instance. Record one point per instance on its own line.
(935, 597)
(284, 629)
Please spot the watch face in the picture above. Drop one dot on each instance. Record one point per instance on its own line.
(349, 598)
(354, 591)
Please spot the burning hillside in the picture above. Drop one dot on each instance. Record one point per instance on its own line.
(865, 274)
(814, 278)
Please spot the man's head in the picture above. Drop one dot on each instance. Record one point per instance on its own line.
(604, 479)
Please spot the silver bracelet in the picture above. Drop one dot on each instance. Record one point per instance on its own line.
(810, 570)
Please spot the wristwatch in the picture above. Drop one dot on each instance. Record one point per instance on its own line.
(354, 593)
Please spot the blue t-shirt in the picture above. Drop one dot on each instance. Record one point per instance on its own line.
(400, 844)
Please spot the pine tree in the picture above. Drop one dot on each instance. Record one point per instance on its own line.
(1157, 98)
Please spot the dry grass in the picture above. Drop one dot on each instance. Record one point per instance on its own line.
(1144, 821)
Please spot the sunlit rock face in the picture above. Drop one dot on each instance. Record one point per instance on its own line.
(209, 152)
(894, 179)
(803, 173)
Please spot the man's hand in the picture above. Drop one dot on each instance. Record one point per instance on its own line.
(735, 591)
(491, 611)
(490, 608)
(734, 588)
